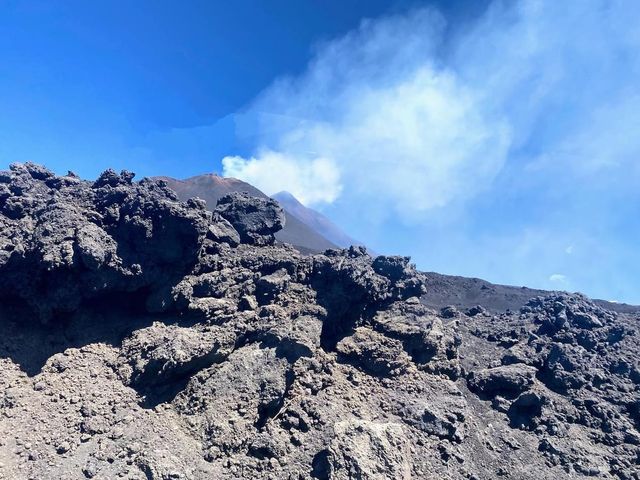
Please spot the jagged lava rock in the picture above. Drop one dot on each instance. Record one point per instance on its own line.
(255, 219)
(146, 338)
(64, 241)
(506, 380)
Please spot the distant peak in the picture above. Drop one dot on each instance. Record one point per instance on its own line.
(285, 196)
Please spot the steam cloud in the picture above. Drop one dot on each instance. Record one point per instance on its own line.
(388, 114)
(531, 111)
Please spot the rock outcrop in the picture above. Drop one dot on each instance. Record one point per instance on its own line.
(64, 241)
(147, 338)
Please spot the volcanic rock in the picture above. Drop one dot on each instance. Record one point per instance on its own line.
(148, 338)
(506, 380)
(255, 219)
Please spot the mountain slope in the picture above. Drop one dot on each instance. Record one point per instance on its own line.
(311, 232)
(211, 188)
(315, 220)
(465, 293)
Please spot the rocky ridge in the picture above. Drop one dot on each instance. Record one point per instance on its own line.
(148, 338)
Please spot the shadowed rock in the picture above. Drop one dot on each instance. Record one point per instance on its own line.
(65, 241)
(509, 380)
(255, 219)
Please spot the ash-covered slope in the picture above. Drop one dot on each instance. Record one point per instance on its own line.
(145, 338)
(315, 220)
(464, 293)
(211, 188)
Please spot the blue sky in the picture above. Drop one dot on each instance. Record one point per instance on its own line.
(491, 139)
(151, 85)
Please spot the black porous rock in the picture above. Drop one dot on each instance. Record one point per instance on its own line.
(255, 219)
(148, 338)
(64, 241)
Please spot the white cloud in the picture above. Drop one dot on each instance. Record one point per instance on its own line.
(456, 147)
(311, 181)
(408, 135)
(415, 127)
(558, 278)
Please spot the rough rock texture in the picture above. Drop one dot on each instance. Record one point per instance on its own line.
(506, 380)
(64, 241)
(145, 338)
(256, 219)
(298, 230)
